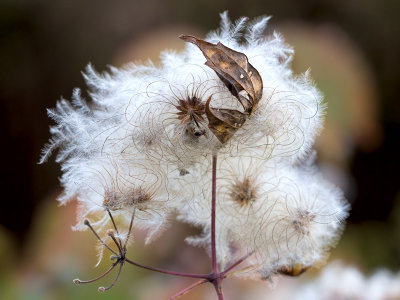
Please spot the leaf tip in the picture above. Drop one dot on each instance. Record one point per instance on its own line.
(189, 38)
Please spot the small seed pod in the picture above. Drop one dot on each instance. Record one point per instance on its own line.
(295, 269)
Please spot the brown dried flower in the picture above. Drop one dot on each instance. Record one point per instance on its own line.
(190, 110)
(138, 197)
(243, 192)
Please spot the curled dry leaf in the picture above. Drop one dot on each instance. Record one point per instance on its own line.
(224, 122)
(235, 71)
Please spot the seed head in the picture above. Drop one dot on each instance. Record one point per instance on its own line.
(191, 110)
(111, 201)
(138, 197)
(302, 221)
(151, 148)
(243, 192)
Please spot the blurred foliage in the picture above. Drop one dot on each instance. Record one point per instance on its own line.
(351, 46)
(373, 245)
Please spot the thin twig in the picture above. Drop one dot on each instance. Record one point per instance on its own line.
(111, 234)
(218, 288)
(217, 278)
(213, 209)
(237, 263)
(102, 289)
(187, 289)
(203, 276)
(238, 271)
(130, 229)
(87, 223)
(78, 281)
(115, 227)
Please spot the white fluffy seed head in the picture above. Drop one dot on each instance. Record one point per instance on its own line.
(142, 145)
(284, 215)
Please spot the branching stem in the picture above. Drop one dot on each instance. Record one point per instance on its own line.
(203, 276)
(215, 277)
(224, 273)
(187, 289)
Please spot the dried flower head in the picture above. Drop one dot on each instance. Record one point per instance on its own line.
(243, 192)
(191, 110)
(286, 216)
(137, 198)
(144, 149)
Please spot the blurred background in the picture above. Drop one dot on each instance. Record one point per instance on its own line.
(352, 48)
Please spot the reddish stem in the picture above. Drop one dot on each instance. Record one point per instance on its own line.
(213, 209)
(218, 288)
(203, 276)
(217, 278)
(187, 289)
(224, 273)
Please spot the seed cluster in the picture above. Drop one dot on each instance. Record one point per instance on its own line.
(191, 110)
(138, 197)
(243, 192)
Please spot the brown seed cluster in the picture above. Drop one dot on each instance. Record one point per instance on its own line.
(138, 197)
(302, 223)
(191, 110)
(243, 192)
(111, 202)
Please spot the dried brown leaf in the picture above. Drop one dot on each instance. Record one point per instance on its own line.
(224, 122)
(235, 71)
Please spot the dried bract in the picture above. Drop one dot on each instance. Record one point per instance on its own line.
(224, 122)
(235, 71)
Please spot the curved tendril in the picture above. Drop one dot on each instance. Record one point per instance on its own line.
(78, 281)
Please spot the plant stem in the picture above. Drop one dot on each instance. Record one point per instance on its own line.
(224, 273)
(217, 278)
(218, 288)
(187, 289)
(213, 209)
(203, 276)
